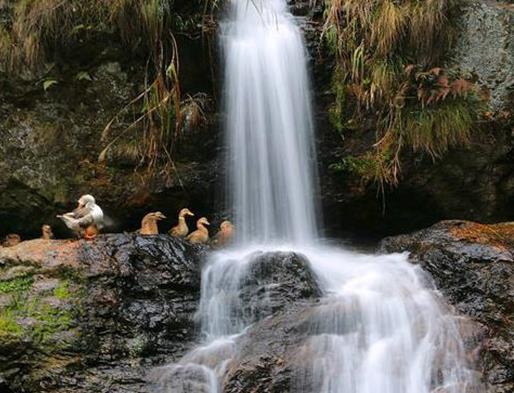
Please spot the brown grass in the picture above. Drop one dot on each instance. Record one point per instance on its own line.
(388, 52)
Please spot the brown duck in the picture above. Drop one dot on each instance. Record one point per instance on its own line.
(201, 235)
(11, 240)
(181, 230)
(46, 232)
(225, 235)
(149, 223)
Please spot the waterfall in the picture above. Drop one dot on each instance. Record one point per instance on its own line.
(269, 124)
(381, 325)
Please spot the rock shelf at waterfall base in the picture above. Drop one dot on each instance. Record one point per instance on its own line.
(96, 316)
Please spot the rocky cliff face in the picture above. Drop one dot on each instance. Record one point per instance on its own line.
(473, 265)
(486, 48)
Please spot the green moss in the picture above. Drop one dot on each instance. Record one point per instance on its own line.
(50, 320)
(45, 318)
(8, 324)
(62, 291)
(18, 284)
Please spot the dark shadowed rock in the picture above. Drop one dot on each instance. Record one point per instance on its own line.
(473, 265)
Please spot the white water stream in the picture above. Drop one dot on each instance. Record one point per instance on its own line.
(381, 327)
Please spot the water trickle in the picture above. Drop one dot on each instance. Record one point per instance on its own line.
(380, 326)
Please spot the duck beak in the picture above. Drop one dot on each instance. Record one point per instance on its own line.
(162, 217)
(207, 223)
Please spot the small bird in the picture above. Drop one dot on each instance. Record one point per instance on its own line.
(11, 240)
(225, 234)
(201, 235)
(149, 223)
(46, 232)
(181, 230)
(86, 220)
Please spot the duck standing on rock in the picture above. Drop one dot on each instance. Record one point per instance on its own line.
(46, 232)
(201, 235)
(86, 220)
(11, 240)
(149, 223)
(181, 230)
(225, 234)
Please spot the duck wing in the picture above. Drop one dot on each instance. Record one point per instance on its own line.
(86, 221)
(76, 224)
(97, 215)
(179, 231)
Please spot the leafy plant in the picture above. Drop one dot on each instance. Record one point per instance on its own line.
(48, 83)
(83, 76)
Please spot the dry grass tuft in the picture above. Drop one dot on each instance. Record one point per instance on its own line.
(388, 52)
(38, 29)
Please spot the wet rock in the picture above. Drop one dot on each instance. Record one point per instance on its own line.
(95, 316)
(473, 265)
(275, 280)
(268, 353)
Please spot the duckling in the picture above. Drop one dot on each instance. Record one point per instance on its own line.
(149, 223)
(181, 230)
(46, 232)
(86, 220)
(201, 235)
(225, 234)
(11, 240)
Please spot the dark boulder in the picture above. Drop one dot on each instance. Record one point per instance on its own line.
(275, 280)
(473, 265)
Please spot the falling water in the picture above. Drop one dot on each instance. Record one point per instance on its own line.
(381, 326)
(269, 124)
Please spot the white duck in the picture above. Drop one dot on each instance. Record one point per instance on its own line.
(86, 220)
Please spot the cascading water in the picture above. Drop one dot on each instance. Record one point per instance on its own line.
(269, 124)
(381, 327)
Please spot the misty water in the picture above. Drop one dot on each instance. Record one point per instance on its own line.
(381, 326)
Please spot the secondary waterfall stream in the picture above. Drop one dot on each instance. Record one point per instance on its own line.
(380, 327)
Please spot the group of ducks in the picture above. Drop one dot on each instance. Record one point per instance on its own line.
(87, 220)
(224, 236)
